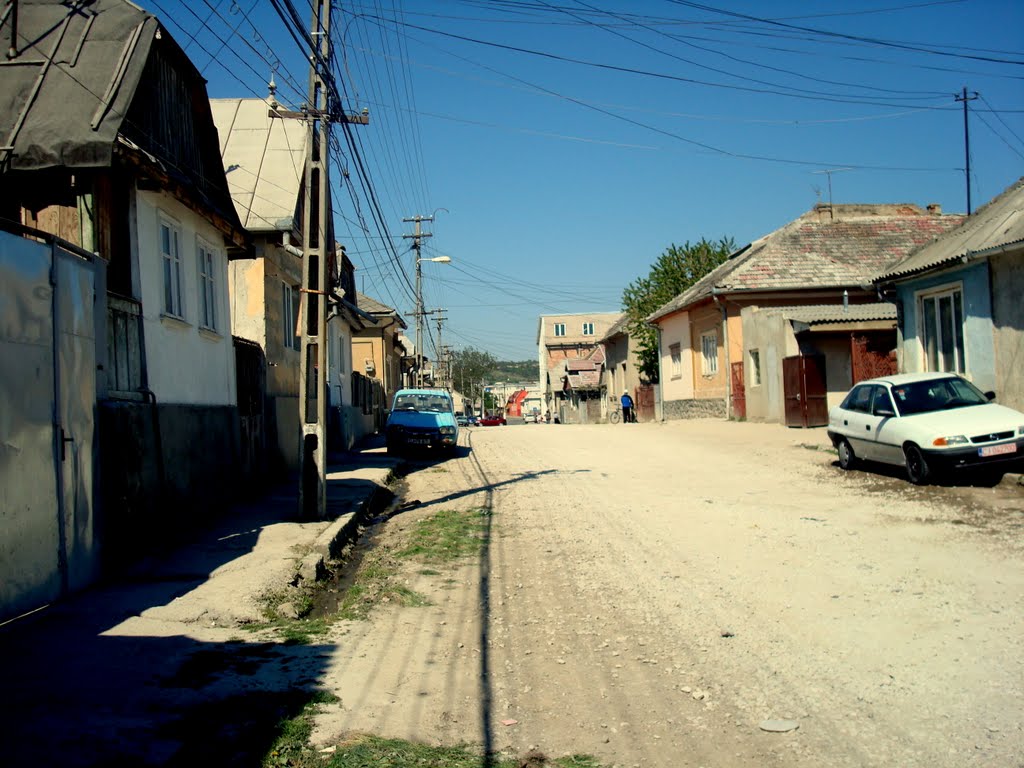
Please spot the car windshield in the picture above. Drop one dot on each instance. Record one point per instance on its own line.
(936, 395)
(421, 402)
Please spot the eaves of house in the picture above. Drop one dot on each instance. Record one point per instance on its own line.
(829, 248)
(998, 225)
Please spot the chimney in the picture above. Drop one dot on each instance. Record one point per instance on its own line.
(934, 209)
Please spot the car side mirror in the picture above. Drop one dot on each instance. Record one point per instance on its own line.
(990, 395)
(886, 412)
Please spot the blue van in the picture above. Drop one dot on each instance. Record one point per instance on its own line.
(421, 419)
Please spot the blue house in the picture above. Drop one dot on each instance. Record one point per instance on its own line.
(958, 300)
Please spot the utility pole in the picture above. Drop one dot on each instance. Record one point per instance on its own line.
(417, 243)
(440, 347)
(317, 245)
(965, 97)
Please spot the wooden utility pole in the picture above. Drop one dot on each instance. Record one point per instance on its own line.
(964, 97)
(317, 244)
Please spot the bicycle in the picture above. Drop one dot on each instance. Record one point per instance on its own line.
(615, 415)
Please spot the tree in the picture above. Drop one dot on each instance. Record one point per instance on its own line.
(676, 269)
(469, 369)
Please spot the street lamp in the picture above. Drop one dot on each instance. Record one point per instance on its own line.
(419, 308)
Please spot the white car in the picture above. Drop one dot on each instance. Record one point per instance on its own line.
(930, 423)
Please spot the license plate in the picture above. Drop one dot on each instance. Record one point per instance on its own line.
(997, 450)
(419, 441)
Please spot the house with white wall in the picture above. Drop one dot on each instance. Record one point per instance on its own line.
(111, 147)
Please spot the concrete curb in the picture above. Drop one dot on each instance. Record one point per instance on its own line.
(344, 530)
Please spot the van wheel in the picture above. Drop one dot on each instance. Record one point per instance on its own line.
(918, 470)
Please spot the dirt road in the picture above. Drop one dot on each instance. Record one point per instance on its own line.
(651, 594)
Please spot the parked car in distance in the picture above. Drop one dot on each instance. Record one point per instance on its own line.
(493, 420)
(466, 421)
(929, 423)
(421, 419)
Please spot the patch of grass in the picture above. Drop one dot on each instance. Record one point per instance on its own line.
(366, 751)
(375, 583)
(298, 631)
(450, 534)
(291, 747)
(372, 751)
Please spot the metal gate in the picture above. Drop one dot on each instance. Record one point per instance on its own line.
(49, 303)
(738, 392)
(872, 356)
(804, 390)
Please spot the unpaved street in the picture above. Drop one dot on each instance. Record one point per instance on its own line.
(651, 593)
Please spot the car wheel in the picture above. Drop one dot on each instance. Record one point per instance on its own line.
(918, 470)
(847, 458)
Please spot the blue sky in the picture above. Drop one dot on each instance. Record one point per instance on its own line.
(563, 145)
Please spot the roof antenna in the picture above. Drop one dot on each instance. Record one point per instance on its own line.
(828, 172)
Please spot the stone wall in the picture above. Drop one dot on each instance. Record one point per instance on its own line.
(694, 409)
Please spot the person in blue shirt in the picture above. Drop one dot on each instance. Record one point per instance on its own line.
(628, 416)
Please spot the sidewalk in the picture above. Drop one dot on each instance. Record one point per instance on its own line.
(119, 675)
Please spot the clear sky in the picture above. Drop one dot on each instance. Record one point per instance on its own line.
(563, 145)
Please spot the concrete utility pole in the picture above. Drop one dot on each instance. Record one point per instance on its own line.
(317, 244)
(440, 347)
(417, 244)
(964, 97)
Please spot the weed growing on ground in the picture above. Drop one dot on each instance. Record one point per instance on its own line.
(450, 534)
(292, 748)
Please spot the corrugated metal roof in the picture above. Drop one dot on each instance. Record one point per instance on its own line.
(836, 313)
(818, 251)
(1000, 222)
(264, 158)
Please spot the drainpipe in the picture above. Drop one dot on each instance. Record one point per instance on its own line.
(725, 343)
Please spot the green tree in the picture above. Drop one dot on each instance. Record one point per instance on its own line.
(470, 367)
(675, 270)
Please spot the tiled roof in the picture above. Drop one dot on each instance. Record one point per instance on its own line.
(579, 365)
(1000, 222)
(585, 380)
(618, 329)
(816, 251)
(374, 307)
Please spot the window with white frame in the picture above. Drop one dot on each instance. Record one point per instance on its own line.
(675, 352)
(942, 330)
(290, 316)
(207, 285)
(559, 329)
(170, 255)
(709, 353)
(588, 329)
(755, 367)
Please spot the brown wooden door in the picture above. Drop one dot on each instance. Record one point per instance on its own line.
(739, 392)
(644, 402)
(804, 390)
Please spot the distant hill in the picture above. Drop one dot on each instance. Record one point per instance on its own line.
(514, 371)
